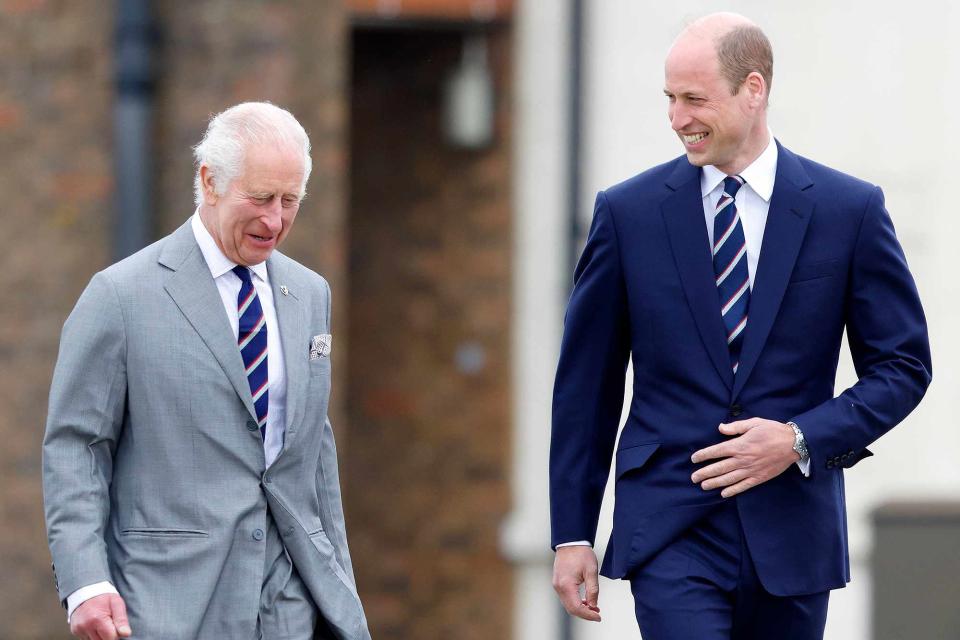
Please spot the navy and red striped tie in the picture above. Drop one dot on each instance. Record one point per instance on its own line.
(730, 267)
(252, 340)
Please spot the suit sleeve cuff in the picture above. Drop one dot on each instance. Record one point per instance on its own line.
(578, 543)
(83, 594)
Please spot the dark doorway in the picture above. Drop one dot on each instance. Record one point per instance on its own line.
(428, 383)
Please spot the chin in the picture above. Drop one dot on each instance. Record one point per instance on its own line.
(257, 259)
(697, 160)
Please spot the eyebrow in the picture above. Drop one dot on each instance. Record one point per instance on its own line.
(270, 194)
(685, 94)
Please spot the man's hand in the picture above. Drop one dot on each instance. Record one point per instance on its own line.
(574, 566)
(102, 617)
(761, 450)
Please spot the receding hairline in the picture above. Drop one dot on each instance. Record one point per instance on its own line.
(741, 47)
(715, 25)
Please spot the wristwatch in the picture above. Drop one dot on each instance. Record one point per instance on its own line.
(799, 443)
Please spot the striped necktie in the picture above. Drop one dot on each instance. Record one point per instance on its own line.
(730, 267)
(252, 340)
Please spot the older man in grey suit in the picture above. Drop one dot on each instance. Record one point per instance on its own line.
(190, 471)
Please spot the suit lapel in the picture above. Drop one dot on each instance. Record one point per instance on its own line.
(292, 339)
(790, 211)
(682, 213)
(195, 293)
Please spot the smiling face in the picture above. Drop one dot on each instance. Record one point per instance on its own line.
(716, 127)
(256, 212)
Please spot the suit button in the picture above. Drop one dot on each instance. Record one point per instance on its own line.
(258, 534)
(267, 479)
(251, 425)
(850, 453)
(735, 411)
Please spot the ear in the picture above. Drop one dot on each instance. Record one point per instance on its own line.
(756, 88)
(208, 186)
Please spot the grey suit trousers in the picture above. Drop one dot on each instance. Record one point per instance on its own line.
(287, 611)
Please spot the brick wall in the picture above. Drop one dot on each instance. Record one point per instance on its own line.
(56, 180)
(428, 386)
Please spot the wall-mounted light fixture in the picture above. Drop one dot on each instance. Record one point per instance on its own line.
(468, 112)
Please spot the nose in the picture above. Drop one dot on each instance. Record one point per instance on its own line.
(271, 216)
(679, 117)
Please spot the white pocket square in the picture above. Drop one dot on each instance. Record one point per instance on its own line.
(320, 346)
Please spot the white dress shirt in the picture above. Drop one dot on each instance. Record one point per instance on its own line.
(753, 205)
(228, 284)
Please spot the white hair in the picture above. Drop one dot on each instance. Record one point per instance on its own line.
(231, 132)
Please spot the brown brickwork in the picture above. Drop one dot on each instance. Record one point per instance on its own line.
(428, 463)
(56, 180)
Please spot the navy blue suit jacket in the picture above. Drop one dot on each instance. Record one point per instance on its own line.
(644, 287)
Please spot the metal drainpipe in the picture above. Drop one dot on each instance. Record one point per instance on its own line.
(575, 115)
(136, 35)
(577, 11)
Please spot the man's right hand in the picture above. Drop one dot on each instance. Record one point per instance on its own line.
(102, 617)
(574, 566)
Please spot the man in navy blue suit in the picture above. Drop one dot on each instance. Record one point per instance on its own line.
(728, 275)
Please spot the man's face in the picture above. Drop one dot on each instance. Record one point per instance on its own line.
(714, 126)
(255, 214)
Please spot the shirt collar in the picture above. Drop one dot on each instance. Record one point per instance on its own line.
(218, 263)
(759, 176)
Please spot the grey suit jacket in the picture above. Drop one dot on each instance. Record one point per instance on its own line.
(153, 467)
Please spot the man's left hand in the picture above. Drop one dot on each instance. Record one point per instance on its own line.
(761, 450)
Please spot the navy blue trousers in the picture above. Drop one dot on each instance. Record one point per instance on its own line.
(704, 586)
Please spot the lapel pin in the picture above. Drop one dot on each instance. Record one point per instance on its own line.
(284, 290)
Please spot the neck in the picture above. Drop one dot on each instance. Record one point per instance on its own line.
(746, 155)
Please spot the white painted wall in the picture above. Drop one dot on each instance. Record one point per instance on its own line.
(539, 283)
(870, 87)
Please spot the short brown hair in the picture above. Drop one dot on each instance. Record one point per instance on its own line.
(743, 50)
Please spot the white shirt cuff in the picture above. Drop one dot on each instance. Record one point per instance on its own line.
(804, 466)
(83, 594)
(578, 543)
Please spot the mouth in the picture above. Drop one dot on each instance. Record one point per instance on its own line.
(693, 139)
(262, 239)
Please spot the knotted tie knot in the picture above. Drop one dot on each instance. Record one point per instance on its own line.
(732, 184)
(243, 273)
